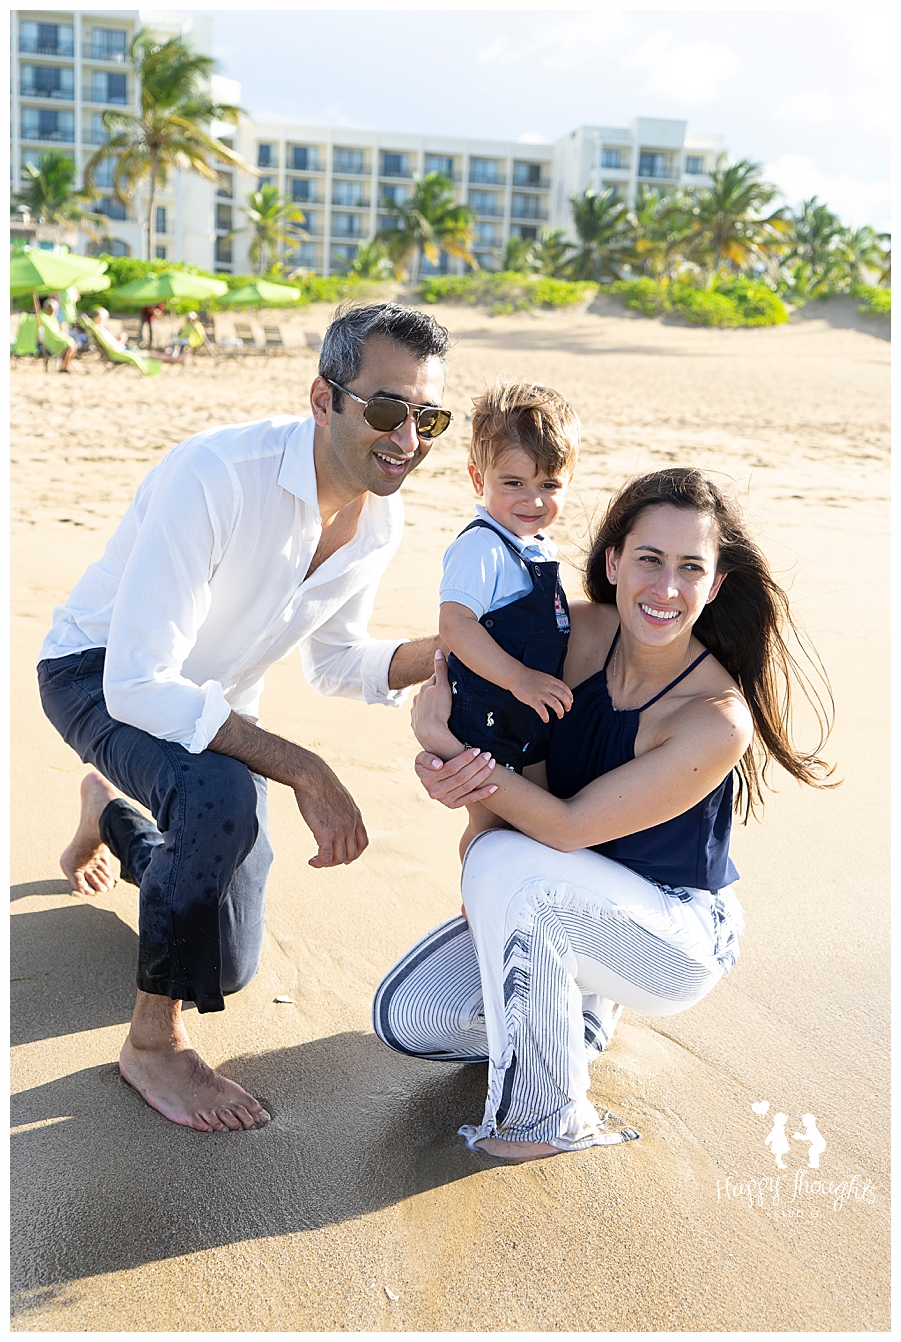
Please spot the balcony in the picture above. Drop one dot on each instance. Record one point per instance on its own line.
(539, 184)
(95, 136)
(44, 134)
(28, 89)
(100, 51)
(656, 167)
(349, 167)
(94, 93)
(398, 171)
(34, 46)
(523, 214)
(348, 204)
(483, 211)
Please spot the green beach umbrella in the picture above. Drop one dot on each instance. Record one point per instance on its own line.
(32, 271)
(169, 284)
(261, 294)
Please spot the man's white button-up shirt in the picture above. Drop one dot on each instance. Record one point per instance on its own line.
(203, 586)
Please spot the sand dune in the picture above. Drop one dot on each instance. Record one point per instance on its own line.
(124, 1222)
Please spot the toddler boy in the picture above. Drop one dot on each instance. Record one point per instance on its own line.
(503, 612)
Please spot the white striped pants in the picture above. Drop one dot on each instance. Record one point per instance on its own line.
(533, 984)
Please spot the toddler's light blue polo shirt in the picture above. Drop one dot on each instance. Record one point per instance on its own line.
(481, 573)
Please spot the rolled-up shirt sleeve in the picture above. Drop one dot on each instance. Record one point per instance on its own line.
(341, 658)
(163, 598)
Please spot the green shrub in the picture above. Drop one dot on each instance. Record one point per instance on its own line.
(877, 300)
(731, 301)
(505, 291)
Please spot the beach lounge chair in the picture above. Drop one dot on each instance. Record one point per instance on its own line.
(314, 341)
(244, 331)
(26, 341)
(117, 357)
(274, 343)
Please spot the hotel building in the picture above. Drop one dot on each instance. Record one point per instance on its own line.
(68, 67)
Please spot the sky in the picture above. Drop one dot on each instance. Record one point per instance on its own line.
(804, 92)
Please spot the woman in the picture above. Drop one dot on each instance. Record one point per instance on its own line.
(608, 882)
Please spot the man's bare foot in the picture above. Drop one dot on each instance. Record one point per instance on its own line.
(517, 1152)
(86, 863)
(176, 1082)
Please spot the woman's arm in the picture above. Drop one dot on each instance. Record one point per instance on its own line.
(707, 739)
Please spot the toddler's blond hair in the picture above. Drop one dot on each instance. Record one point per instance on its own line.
(526, 415)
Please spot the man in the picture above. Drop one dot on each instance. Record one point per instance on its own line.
(244, 543)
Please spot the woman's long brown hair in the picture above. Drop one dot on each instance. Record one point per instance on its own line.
(743, 627)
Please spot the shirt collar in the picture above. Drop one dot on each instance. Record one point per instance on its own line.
(297, 473)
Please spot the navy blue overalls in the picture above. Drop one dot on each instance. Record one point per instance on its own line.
(535, 630)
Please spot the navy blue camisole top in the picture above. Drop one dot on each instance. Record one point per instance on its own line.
(692, 849)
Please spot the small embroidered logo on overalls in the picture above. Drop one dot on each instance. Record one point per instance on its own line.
(453, 687)
(490, 721)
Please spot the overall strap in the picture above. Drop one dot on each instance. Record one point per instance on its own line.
(480, 522)
(673, 683)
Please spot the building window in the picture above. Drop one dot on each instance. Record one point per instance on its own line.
(349, 160)
(223, 251)
(652, 165)
(484, 170)
(225, 184)
(312, 223)
(527, 174)
(159, 252)
(39, 123)
(306, 256)
(438, 267)
(161, 219)
(395, 165)
(265, 181)
(107, 44)
(48, 81)
(440, 163)
(302, 188)
(342, 256)
(108, 87)
(484, 202)
(394, 195)
(112, 207)
(47, 39)
(528, 232)
(612, 158)
(302, 158)
(487, 234)
(388, 221)
(694, 165)
(109, 247)
(98, 134)
(347, 193)
(347, 226)
(266, 156)
(224, 218)
(526, 207)
(105, 173)
(487, 261)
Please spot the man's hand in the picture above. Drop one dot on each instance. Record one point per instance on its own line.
(332, 815)
(541, 692)
(322, 799)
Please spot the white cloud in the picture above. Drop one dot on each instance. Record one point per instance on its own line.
(564, 44)
(855, 199)
(693, 72)
(813, 108)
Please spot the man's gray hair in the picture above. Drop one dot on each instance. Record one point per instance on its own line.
(354, 324)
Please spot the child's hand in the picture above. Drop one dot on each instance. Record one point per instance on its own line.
(542, 692)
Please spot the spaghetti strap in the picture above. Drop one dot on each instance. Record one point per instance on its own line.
(612, 647)
(673, 683)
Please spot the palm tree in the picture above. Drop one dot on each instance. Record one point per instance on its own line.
(731, 224)
(863, 250)
(429, 221)
(172, 128)
(661, 228)
(816, 259)
(518, 256)
(50, 197)
(270, 218)
(371, 262)
(553, 254)
(600, 220)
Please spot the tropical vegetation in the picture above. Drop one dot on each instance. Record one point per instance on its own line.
(428, 222)
(271, 219)
(172, 128)
(49, 195)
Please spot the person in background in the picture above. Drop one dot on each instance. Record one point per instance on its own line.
(148, 317)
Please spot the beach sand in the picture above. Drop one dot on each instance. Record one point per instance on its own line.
(360, 1187)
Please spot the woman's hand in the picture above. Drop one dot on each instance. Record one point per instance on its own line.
(431, 710)
(463, 780)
